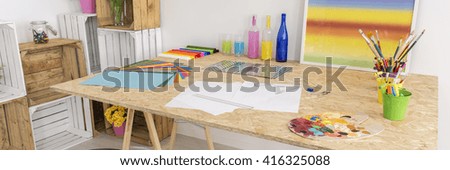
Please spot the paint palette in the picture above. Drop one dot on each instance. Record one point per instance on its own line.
(335, 126)
(250, 69)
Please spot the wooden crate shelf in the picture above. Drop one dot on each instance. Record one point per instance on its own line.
(15, 126)
(60, 124)
(83, 27)
(12, 85)
(139, 15)
(45, 65)
(140, 132)
(117, 45)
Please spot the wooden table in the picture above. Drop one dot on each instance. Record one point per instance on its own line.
(418, 131)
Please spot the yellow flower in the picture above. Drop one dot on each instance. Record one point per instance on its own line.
(119, 122)
(116, 115)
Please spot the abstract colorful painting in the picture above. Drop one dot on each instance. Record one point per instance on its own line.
(331, 29)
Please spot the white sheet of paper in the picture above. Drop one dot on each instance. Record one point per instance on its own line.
(264, 98)
(189, 101)
(259, 98)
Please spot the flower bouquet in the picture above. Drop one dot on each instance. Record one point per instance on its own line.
(117, 115)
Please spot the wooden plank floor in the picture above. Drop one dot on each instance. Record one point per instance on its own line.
(104, 141)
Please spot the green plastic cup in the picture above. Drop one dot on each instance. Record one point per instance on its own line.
(394, 108)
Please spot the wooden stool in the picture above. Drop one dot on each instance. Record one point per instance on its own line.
(173, 137)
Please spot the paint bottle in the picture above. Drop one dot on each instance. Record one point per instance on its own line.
(239, 46)
(227, 44)
(253, 40)
(267, 42)
(282, 41)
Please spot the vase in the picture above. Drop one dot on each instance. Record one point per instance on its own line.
(117, 9)
(88, 6)
(119, 131)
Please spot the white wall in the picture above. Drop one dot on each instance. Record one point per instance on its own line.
(431, 57)
(202, 21)
(22, 12)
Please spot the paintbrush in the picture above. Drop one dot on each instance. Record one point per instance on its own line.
(405, 44)
(378, 39)
(369, 43)
(398, 46)
(413, 44)
(372, 38)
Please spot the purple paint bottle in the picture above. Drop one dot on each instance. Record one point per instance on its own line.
(253, 40)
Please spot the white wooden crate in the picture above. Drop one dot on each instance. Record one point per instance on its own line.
(83, 27)
(117, 45)
(12, 82)
(61, 124)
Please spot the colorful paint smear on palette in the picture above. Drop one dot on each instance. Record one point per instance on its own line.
(333, 126)
(332, 29)
(159, 66)
(258, 70)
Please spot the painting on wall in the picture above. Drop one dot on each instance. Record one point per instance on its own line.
(331, 29)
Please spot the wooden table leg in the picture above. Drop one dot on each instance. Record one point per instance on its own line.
(209, 140)
(173, 135)
(128, 130)
(152, 131)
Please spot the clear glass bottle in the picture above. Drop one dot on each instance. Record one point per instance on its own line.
(267, 42)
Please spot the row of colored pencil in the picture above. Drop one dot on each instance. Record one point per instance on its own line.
(189, 53)
(396, 63)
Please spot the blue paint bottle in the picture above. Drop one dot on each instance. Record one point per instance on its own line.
(282, 41)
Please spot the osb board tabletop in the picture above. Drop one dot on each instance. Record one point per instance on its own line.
(417, 131)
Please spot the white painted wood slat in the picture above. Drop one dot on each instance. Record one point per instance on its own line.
(12, 83)
(61, 123)
(117, 45)
(82, 27)
(152, 38)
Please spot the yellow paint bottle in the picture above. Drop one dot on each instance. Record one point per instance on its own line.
(267, 42)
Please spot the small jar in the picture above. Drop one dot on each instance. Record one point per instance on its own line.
(40, 31)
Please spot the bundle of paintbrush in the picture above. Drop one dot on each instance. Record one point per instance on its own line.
(395, 64)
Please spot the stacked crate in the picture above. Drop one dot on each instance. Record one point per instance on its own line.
(83, 27)
(138, 39)
(58, 121)
(12, 85)
(15, 128)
